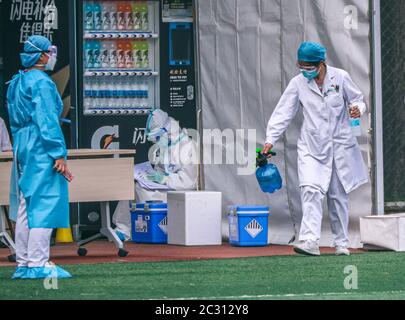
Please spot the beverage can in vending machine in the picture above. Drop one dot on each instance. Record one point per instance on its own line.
(121, 95)
(145, 54)
(87, 95)
(113, 55)
(145, 94)
(88, 55)
(105, 55)
(141, 54)
(110, 47)
(88, 16)
(96, 94)
(102, 94)
(97, 16)
(121, 53)
(121, 16)
(114, 95)
(137, 16)
(113, 16)
(129, 17)
(136, 89)
(94, 90)
(110, 97)
(105, 16)
(126, 88)
(144, 9)
(137, 54)
(129, 58)
(96, 54)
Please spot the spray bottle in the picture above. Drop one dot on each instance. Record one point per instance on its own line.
(267, 174)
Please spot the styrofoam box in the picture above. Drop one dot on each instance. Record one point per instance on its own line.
(384, 231)
(194, 218)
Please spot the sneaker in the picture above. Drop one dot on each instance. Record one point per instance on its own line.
(342, 251)
(308, 248)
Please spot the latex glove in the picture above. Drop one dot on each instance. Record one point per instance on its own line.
(157, 177)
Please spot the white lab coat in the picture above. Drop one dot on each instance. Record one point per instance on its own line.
(5, 144)
(326, 134)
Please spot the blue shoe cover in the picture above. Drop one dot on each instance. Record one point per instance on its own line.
(20, 272)
(49, 271)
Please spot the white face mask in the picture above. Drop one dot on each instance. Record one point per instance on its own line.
(51, 63)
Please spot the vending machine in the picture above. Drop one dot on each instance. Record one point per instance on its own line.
(131, 57)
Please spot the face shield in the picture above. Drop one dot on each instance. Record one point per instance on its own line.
(51, 51)
(156, 126)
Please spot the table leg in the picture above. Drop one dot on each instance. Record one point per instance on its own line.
(106, 228)
(4, 237)
(91, 239)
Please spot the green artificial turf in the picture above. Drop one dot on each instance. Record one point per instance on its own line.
(380, 276)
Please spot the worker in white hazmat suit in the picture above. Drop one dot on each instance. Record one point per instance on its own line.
(175, 165)
(330, 163)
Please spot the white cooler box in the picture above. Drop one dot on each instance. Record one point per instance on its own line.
(384, 231)
(194, 218)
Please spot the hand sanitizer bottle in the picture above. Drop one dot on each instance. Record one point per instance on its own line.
(355, 124)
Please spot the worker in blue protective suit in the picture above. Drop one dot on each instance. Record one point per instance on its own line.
(39, 193)
(175, 166)
(330, 163)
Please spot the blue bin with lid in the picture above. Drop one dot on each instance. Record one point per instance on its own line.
(248, 226)
(149, 222)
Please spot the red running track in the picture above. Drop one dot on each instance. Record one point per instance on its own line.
(105, 252)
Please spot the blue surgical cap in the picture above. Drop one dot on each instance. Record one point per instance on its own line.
(311, 52)
(30, 59)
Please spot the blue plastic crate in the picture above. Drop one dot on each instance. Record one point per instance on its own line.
(248, 226)
(149, 222)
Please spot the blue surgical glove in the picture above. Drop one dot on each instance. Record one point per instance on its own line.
(157, 177)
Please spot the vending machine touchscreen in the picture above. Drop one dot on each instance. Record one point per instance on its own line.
(180, 40)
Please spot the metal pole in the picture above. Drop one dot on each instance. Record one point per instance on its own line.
(73, 21)
(201, 184)
(378, 111)
(73, 74)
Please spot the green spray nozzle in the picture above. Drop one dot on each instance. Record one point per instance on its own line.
(262, 159)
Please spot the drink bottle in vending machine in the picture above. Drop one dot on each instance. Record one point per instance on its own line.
(123, 49)
(97, 16)
(117, 15)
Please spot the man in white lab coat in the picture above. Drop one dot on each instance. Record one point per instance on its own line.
(5, 144)
(330, 163)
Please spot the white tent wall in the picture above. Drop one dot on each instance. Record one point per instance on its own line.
(247, 56)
